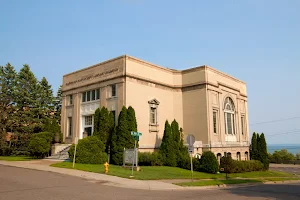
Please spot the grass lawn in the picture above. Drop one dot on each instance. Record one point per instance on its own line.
(15, 158)
(146, 173)
(156, 173)
(219, 182)
(260, 174)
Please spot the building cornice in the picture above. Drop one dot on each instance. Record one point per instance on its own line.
(168, 70)
(94, 83)
(96, 65)
(172, 71)
(185, 71)
(223, 74)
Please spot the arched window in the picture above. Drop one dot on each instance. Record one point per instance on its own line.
(229, 116)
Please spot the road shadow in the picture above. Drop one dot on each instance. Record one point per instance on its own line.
(274, 191)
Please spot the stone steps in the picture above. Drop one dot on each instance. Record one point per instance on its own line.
(61, 155)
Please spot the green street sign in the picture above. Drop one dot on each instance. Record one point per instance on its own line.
(136, 135)
(136, 138)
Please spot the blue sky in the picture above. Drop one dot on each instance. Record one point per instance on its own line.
(253, 40)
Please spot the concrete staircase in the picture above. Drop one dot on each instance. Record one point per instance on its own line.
(60, 155)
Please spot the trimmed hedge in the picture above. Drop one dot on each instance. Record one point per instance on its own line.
(150, 159)
(209, 162)
(235, 166)
(90, 150)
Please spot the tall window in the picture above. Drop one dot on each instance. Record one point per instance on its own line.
(91, 95)
(153, 115)
(70, 98)
(215, 113)
(113, 90)
(69, 126)
(88, 124)
(229, 116)
(243, 124)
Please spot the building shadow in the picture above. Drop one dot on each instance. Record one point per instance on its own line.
(274, 191)
(157, 141)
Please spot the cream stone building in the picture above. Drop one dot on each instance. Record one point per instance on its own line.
(207, 103)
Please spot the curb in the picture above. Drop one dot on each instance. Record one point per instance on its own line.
(237, 185)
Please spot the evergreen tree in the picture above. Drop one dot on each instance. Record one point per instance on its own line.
(111, 120)
(96, 122)
(8, 119)
(132, 123)
(46, 98)
(123, 138)
(258, 147)
(176, 140)
(263, 153)
(167, 147)
(253, 148)
(27, 101)
(184, 157)
(57, 104)
(105, 125)
(114, 149)
(176, 132)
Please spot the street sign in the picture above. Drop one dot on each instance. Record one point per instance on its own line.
(136, 133)
(191, 149)
(190, 140)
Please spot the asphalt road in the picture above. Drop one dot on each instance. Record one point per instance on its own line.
(25, 184)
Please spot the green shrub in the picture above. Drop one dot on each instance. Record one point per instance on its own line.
(39, 146)
(150, 159)
(5, 150)
(235, 166)
(90, 150)
(183, 159)
(196, 164)
(209, 162)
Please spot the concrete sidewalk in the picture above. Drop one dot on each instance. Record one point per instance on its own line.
(43, 165)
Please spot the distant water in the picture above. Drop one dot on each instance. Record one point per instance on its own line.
(292, 148)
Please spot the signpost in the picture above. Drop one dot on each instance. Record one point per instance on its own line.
(76, 142)
(191, 140)
(136, 137)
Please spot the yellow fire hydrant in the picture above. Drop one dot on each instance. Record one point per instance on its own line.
(106, 167)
